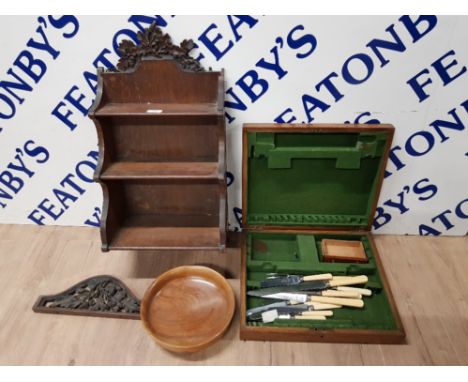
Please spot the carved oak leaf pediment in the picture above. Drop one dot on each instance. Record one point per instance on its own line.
(153, 42)
(102, 296)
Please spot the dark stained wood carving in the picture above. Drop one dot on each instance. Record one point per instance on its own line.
(99, 296)
(153, 42)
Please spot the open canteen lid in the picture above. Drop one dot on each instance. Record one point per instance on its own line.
(313, 176)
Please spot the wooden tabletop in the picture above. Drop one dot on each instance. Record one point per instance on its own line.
(427, 276)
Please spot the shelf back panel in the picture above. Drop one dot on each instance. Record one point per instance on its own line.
(146, 198)
(138, 140)
(160, 81)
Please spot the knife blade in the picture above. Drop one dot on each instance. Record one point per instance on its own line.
(291, 309)
(316, 285)
(293, 279)
(275, 305)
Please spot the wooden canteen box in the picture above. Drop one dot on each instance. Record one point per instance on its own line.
(303, 184)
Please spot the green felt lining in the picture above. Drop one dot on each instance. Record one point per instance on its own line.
(313, 178)
(301, 254)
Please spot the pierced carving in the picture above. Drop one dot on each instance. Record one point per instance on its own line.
(102, 296)
(154, 43)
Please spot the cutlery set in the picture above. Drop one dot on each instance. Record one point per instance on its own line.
(312, 297)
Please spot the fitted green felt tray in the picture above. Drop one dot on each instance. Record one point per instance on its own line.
(301, 254)
(303, 184)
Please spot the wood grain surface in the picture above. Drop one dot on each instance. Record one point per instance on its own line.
(152, 138)
(188, 308)
(427, 276)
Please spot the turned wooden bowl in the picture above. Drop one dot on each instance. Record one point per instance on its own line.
(187, 308)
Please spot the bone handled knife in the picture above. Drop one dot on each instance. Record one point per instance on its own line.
(306, 313)
(277, 280)
(300, 296)
(319, 306)
(309, 286)
(305, 298)
(326, 284)
(351, 302)
(361, 291)
(321, 284)
(272, 315)
(300, 317)
(335, 293)
(352, 280)
(288, 306)
(310, 313)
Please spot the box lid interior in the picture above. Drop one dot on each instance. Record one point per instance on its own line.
(314, 177)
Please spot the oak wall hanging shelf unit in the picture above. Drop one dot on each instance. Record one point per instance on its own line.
(161, 132)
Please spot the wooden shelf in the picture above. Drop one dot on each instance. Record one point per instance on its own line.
(171, 220)
(162, 135)
(199, 171)
(137, 237)
(157, 109)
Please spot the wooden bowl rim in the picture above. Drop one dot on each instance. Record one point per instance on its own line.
(231, 301)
